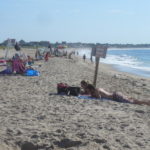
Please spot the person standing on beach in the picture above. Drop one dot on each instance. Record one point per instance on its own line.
(91, 59)
(50, 48)
(56, 52)
(17, 47)
(47, 55)
(84, 57)
(93, 52)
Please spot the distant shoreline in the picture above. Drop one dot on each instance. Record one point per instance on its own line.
(113, 48)
(127, 69)
(128, 48)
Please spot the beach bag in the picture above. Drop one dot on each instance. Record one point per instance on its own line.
(31, 72)
(62, 88)
(73, 91)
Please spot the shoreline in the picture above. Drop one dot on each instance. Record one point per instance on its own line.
(132, 71)
(114, 68)
(127, 69)
(128, 48)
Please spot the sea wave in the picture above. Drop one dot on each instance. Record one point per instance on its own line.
(127, 61)
(120, 60)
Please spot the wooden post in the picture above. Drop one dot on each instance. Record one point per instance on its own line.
(96, 70)
(91, 57)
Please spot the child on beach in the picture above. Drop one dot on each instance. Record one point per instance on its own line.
(115, 96)
(30, 60)
(47, 55)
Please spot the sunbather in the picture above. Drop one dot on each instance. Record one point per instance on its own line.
(115, 96)
(84, 84)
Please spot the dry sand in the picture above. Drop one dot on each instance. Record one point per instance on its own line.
(31, 119)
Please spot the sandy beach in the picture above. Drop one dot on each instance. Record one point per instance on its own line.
(32, 117)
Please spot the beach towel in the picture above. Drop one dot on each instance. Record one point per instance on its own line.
(89, 97)
(2, 61)
(31, 72)
(6, 72)
(104, 99)
(119, 98)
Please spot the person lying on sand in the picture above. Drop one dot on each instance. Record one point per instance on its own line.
(89, 89)
(84, 84)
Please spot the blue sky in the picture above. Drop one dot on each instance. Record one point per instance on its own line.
(103, 21)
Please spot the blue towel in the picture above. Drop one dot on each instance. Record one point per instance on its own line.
(31, 72)
(6, 71)
(103, 99)
(89, 97)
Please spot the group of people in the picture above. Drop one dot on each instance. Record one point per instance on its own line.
(90, 90)
(45, 54)
(18, 64)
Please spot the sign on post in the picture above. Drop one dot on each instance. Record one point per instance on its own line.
(93, 53)
(100, 52)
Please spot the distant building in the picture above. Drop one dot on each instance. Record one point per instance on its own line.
(44, 43)
(64, 42)
(8, 41)
(33, 44)
(22, 42)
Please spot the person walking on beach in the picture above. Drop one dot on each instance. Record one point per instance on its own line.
(84, 57)
(91, 58)
(56, 52)
(50, 48)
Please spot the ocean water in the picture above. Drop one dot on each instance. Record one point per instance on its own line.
(135, 61)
